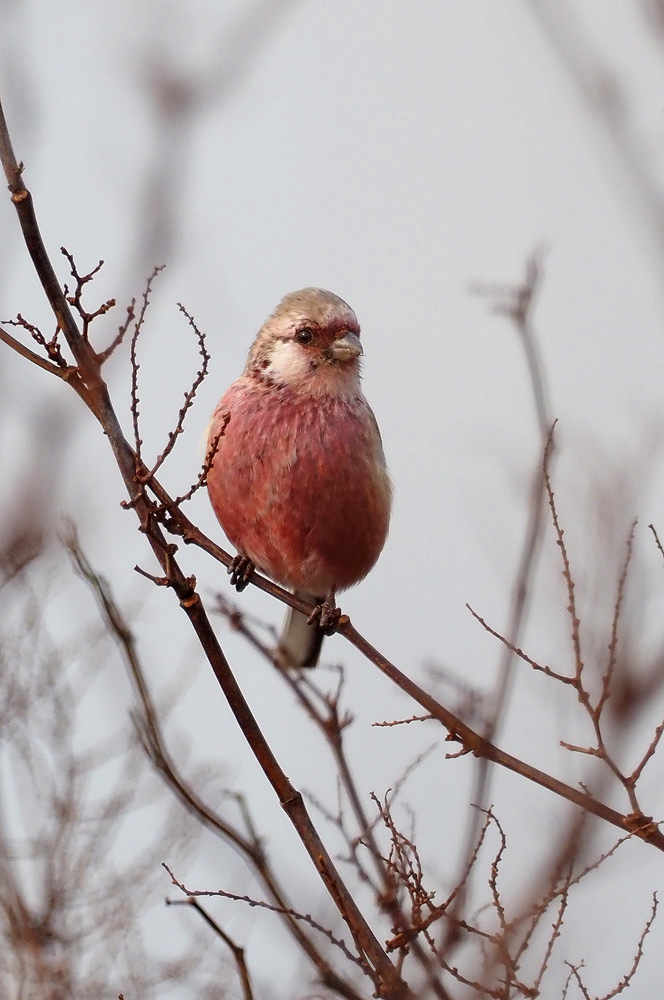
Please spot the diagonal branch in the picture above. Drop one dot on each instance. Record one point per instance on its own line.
(68, 374)
(382, 971)
(154, 743)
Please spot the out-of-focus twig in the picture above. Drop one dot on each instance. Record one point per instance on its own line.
(516, 304)
(304, 917)
(236, 951)
(599, 87)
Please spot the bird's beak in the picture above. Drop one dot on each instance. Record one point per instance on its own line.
(346, 348)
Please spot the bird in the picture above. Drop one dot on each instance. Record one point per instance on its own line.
(296, 475)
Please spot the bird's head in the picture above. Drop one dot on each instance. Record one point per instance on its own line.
(311, 342)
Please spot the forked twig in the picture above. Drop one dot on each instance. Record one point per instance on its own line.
(235, 949)
(264, 905)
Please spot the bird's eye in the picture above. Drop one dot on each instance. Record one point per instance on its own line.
(304, 336)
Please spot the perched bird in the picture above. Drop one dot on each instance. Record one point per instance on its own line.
(298, 479)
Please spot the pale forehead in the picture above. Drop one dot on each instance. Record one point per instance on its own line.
(316, 305)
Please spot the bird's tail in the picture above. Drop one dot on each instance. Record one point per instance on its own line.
(299, 643)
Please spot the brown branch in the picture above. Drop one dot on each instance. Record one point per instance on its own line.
(22, 201)
(138, 327)
(332, 723)
(574, 974)
(494, 872)
(69, 374)
(556, 929)
(613, 644)
(657, 541)
(473, 742)
(408, 933)
(189, 397)
(567, 571)
(402, 722)
(627, 978)
(201, 480)
(262, 904)
(75, 300)
(576, 681)
(104, 355)
(542, 668)
(51, 347)
(562, 868)
(648, 755)
(600, 89)
(384, 974)
(236, 951)
(641, 826)
(517, 304)
(154, 744)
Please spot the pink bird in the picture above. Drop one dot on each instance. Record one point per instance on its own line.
(298, 480)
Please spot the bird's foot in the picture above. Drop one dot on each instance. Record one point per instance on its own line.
(240, 571)
(326, 615)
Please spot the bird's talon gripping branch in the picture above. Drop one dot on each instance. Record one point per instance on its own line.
(240, 572)
(326, 615)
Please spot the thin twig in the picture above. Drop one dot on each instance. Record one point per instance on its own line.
(120, 335)
(613, 644)
(567, 571)
(542, 668)
(68, 373)
(138, 326)
(627, 978)
(189, 397)
(264, 905)
(235, 949)
(517, 304)
(402, 722)
(657, 541)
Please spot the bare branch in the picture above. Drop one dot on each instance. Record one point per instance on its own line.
(120, 335)
(520, 653)
(189, 397)
(138, 326)
(613, 645)
(75, 300)
(648, 755)
(567, 572)
(574, 974)
(201, 481)
(402, 722)
(67, 373)
(657, 541)
(627, 978)
(236, 951)
(154, 744)
(305, 917)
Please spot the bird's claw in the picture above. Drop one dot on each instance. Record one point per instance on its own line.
(240, 572)
(325, 616)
